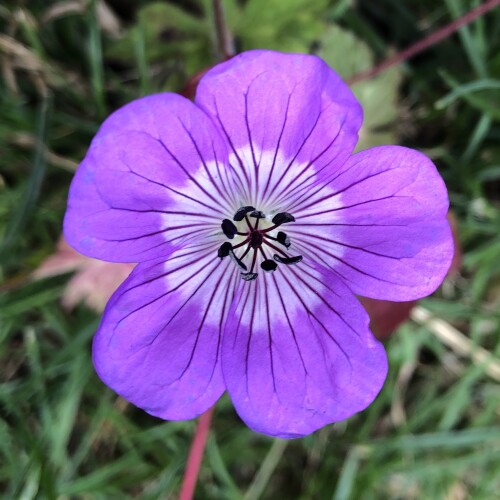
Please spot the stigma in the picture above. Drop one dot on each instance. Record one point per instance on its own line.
(257, 241)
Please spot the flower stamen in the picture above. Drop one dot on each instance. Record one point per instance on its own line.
(255, 239)
(247, 220)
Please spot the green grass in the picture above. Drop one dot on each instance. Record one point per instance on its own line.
(435, 429)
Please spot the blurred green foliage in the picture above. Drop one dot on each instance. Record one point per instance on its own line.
(378, 96)
(433, 432)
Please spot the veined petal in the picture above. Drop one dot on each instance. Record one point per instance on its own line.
(281, 114)
(297, 353)
(380, 224)
(152, 177)
(158, 344)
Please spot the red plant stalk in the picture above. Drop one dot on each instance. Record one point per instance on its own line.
(427, 42)
(225, 46)
(196, 455)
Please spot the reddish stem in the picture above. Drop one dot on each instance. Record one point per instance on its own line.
(195, 456)
(274, 247)
(242, 243)
(427, 42)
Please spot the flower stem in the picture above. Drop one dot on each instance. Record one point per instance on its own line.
(225, 45)
(196, 455)
(427, 42)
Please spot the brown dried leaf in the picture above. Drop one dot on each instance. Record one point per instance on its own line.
(29, 141)
(107, 19)
(43, 74)
(94, 281)
(386, 316)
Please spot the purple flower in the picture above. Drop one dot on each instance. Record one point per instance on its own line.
(254, 227)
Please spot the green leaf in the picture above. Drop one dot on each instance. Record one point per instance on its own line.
(289, 26)
(348, 55)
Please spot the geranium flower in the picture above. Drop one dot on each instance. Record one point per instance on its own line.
(254, 227)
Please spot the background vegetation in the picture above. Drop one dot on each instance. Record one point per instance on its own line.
(433, 432)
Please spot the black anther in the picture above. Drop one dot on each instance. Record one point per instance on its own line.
(287, 260)
(224, 250)
(283, 218)
(257, 214)
(283, 239)
(268, 265)
(248, 276)
(228, 228)
(241, 212)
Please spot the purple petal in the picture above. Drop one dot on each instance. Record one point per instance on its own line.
(297, 353)
(380, 224)
(159, 340)
(147, 182)
(281, 113)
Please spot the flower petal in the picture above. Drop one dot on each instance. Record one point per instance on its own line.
(158, 343)
(380, 224)
(297, 353)
(281, 113)
(148, 182)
